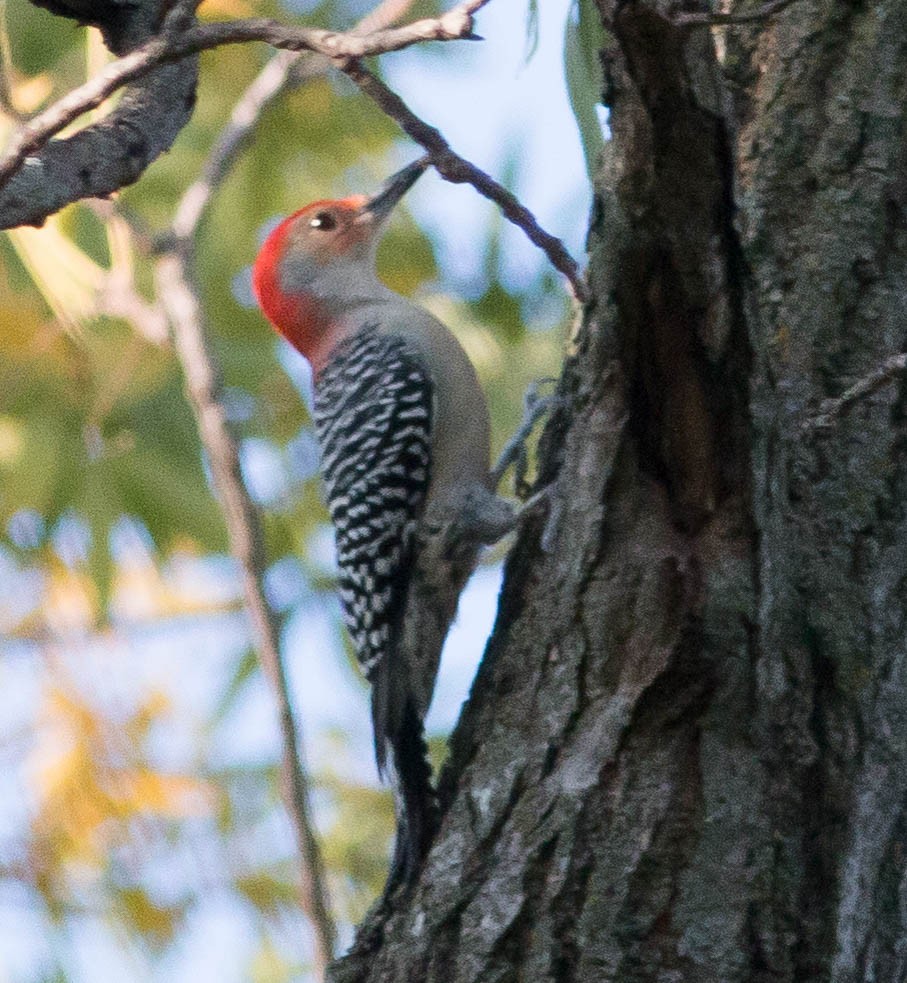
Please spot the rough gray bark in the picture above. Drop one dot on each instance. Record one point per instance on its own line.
(105, 156)
(683, 758)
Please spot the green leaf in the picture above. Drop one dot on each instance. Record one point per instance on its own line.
(584, 39)
(270, 892)
(245, 668)
(532, 30)
(154, 923)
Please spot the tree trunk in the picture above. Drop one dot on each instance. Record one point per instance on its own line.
(684, 755)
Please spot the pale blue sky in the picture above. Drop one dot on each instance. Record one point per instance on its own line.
(491, 104)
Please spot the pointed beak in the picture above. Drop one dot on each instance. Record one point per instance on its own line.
(381, 205)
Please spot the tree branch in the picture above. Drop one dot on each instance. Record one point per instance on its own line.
(172, 45)
(456, 169)
(345, 49)
(37, 180)
(270, 82)
(244, 527)
(246, 545)
(285, 70)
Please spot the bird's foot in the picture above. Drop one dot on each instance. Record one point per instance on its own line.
(545, 502)
(493, 518)
(536, 405)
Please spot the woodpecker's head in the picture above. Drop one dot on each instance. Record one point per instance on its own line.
(321, 260)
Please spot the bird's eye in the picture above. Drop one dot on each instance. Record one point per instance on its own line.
(324, 221)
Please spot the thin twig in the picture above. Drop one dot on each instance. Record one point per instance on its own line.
(830, 410)
(284, 70)
(514, 452)
(385, 15)
(449, 164)
(343, 48)
(270, 82)
(171, 45)
(694, 19)
(456, 169)
(246, 545)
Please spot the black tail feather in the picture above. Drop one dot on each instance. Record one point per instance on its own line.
(387, 713)
(414, 799)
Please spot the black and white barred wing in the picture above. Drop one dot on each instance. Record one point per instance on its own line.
(373, 415)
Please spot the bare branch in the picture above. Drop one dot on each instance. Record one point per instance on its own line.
(831, 410)
(198, 361)
(246, 545)
(456, 169)
(285, 70)
(694, 19)
(384, 15)
(270, 82)
(172, 45)
(38, 178)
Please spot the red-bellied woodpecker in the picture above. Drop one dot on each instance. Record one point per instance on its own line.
(404, 433)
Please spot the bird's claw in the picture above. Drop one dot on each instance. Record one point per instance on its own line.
(536, 405)
(543, 503)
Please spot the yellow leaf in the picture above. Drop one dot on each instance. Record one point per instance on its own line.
(73, 807)
(72, 715)
(265, 892)
(212, 9)
(11, 439)
(57, 773)
(150, 919)
(29, 94)
(67, 278)
(137, 588)
(271, 966)
(119, 242)
(142, 790)
(70, 600)
(157, 704)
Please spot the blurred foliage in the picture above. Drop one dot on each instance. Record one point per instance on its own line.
(532, 28)
(584, 40)
(110, 535)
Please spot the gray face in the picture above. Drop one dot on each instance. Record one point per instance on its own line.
(297, 272)
(330, 255)
(330, 248)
